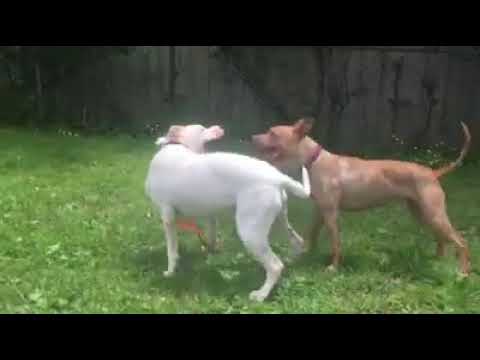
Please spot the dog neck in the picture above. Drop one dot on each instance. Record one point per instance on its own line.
(174, 142)
(309, 152)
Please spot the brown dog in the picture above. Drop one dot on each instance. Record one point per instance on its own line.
(349, 183)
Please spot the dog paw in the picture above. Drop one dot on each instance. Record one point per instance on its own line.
(210, 251)
(293, 257)
(218, 246)
(331, 269)
(168, 274)
(215, 250)
(300, 252)
(258, 296)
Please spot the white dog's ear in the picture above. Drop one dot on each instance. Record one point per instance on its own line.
(213, 133)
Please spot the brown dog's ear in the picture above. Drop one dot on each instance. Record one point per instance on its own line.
(303, 127)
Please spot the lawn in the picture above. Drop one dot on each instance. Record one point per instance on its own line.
(77, 235)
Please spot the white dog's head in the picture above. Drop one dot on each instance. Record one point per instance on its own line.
(193, 137)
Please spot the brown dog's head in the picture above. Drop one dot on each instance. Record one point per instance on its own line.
(279, 145)
(193, 137)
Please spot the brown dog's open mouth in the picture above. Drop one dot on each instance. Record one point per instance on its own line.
(269, 153)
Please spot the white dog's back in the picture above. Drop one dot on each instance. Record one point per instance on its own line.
(207, 182)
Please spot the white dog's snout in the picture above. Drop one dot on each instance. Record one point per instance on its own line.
(161, 141)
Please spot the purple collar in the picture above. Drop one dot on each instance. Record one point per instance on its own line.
(314, 156)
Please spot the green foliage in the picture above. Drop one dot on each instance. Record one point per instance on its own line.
(431, 157)
(434, 156)
(79, 236)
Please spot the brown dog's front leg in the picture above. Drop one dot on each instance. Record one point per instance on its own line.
(317, 225)
(330, 217)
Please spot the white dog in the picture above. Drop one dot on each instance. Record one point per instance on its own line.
(183, 179)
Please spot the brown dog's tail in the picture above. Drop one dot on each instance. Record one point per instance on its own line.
(466, 147)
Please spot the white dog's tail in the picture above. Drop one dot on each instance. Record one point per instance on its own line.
(297, 189)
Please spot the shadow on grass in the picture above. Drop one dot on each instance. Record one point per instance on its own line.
(195, 276)
(414, 263)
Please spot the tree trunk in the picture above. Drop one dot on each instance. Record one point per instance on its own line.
(84, 118)
(321, 75)
(209, 82)
(172, 75)
(39, 91)
(395, 102)
(9, 72)
(446, 96)
(429, 88)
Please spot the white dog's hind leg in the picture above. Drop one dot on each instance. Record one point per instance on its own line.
(297, 242)
(253, 225)
(168, 217)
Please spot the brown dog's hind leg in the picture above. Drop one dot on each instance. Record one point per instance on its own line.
(419, 216)
(433, 208)
(442, 226)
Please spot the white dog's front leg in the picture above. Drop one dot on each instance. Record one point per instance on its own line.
(168, 217)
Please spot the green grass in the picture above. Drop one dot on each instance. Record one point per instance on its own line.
(77, 235)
